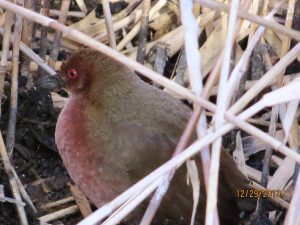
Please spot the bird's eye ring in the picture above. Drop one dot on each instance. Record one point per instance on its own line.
(72, 73)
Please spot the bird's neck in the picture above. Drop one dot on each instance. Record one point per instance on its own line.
(114, 91)
(120, 99)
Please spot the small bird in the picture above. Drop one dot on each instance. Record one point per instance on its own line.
(115, 129)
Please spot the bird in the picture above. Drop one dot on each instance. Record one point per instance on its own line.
(115, 129)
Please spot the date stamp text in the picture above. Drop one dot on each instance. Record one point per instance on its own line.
(258, 193)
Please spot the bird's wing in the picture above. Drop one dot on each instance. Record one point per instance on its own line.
(148, 151)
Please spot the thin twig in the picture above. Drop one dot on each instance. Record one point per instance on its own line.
(59, 214)
(57, 203)
(23, 191)
(109, 25)
(11, 200)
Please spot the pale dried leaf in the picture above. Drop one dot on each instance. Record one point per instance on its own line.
(194, 177)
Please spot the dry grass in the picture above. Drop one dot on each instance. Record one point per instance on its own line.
(239, 102)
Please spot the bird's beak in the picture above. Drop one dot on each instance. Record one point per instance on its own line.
(51, 83)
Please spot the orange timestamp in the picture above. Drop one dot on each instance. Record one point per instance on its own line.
(258, 193)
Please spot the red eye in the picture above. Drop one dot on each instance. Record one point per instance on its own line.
(72, 73)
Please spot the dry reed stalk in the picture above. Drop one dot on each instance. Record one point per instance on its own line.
(38, 182)
(55, 45)
(135, 16)
(286, 42)
(174, 40)
(59, 214)
(108, 208)
(271, 74)
(5, 47)
(196, 9)
(143, 33)
(57, 203)
(45, 186)
(81, 200)
(225, 129)
(63, 41)
(255, 19)
(193, 61)
(262, 202)
(276, 201)
(251, 83)
(109, 25)
(27, 51)
(10, 138)
(34, 66)
(212, 195)
(12, 182)
(43, 38)
(129, 45)
(174, 5)
(193, 65)
(23, 191)
(2, 19)
(54, 13)
(150, 74)
(238, 154)
(253, 26)
(243, 64)
(27, 36)
(13, 111)
(291, 111)
(268, 153)
(282, 175)
(253, 121)
(187, 94)
(136, 28)
(133, 202)
(82, 6)
(215, 71)
(93, 26)
(11, 200)
(293, 216)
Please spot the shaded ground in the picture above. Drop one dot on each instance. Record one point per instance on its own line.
(35, 157)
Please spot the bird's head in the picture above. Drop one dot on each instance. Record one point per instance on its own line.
(78, 71)
(87, 72)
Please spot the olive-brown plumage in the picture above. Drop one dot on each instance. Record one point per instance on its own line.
(115, 129)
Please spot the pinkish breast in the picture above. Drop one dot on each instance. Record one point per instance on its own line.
(81, 161)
